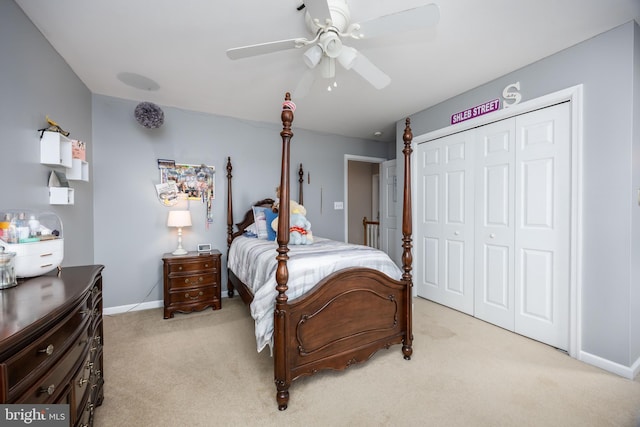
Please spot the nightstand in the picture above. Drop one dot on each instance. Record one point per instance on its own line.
(191, 282)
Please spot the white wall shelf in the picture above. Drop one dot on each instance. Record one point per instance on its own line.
(79, 170)
(61, 196)
(55, 149)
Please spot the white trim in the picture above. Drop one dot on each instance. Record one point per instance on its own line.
(133, 307)
(357, 158)
(575, 95)
(613, 367)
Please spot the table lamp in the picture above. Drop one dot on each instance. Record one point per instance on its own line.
(179, 219)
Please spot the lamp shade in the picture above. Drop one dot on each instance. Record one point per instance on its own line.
(179, 219)
(312, 56)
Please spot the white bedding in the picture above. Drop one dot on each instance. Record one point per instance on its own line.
(253, 261)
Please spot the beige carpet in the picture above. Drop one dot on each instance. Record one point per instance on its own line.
(202, 369)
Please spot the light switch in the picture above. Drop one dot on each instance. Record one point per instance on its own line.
(338, 205)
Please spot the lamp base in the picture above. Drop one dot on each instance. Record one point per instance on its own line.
(180, 251)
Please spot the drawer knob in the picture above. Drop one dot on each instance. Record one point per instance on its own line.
(82, 382)
(206, 265)
(180, 267)
(48, 351)
(49, 390)
(187, 295)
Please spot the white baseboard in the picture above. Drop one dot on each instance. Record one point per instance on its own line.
(613, 367)
(133, 307)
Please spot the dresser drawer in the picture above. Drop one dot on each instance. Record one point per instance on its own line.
(34, 359)
(49, 388)
(195, 264)
(194, 295)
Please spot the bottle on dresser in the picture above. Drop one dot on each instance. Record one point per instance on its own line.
(4, 228)
(22, 227)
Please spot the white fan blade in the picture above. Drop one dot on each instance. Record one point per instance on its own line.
(406, 20)
(370, 72)
(263, 48)
(318, 9)
(304, 85)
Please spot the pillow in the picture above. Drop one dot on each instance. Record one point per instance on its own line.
(250, 231)
(260, 219)
(271, 215)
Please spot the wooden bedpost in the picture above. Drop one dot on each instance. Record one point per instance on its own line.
(300, 182)
(229, 220)
(281, 373)
(229, 205)
(407, 257)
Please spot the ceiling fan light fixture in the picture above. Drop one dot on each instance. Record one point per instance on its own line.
(312, 56)
(331, 44)
(347, 57)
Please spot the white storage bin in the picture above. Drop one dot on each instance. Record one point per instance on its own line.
(40, 248)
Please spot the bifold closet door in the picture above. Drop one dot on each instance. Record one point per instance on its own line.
(543, 224)
(493, 223)
(522, 224)
(445, 221)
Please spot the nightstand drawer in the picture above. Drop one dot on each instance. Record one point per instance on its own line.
(206, 263)
(194, 295)
(190, 281)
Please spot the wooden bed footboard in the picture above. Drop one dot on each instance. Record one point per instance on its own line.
(344, 320)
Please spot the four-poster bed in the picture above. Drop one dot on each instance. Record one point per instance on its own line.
(345, 317)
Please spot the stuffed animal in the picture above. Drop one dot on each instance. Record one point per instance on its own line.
(299, 230)
(299, 227)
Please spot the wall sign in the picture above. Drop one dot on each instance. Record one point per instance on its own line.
(511, 94)
(476, 111)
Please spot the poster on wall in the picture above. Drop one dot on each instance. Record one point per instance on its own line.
(185, 181)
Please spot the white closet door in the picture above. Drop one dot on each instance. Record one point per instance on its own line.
(542, 212)
(445, 224)
(494, 224)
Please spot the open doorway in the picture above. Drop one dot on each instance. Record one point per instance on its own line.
(362, 190)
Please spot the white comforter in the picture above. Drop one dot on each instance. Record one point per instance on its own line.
(254, 262)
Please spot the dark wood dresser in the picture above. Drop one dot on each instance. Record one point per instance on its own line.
(191, 282)
(51, 341)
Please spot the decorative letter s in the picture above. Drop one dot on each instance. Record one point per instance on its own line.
(514, 96)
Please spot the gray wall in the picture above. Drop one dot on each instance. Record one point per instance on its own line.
(131, 234)
(607, 66)
(35, 82)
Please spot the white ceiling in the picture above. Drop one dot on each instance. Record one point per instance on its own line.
(181, 45)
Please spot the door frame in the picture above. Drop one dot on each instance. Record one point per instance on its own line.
(357, 158)
(573, 94)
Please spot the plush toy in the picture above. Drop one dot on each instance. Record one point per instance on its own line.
(299, 230)
(299, 226)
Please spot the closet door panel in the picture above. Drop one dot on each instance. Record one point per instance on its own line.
(542, 227)
(445, 184)
(494, 224)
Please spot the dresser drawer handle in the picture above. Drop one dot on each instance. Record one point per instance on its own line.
(179, 267)
(48, 351)
(82, 382)
(206, 265)
(193, 297)
(49, 390)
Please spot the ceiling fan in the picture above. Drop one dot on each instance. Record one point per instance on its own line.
(329, 21)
